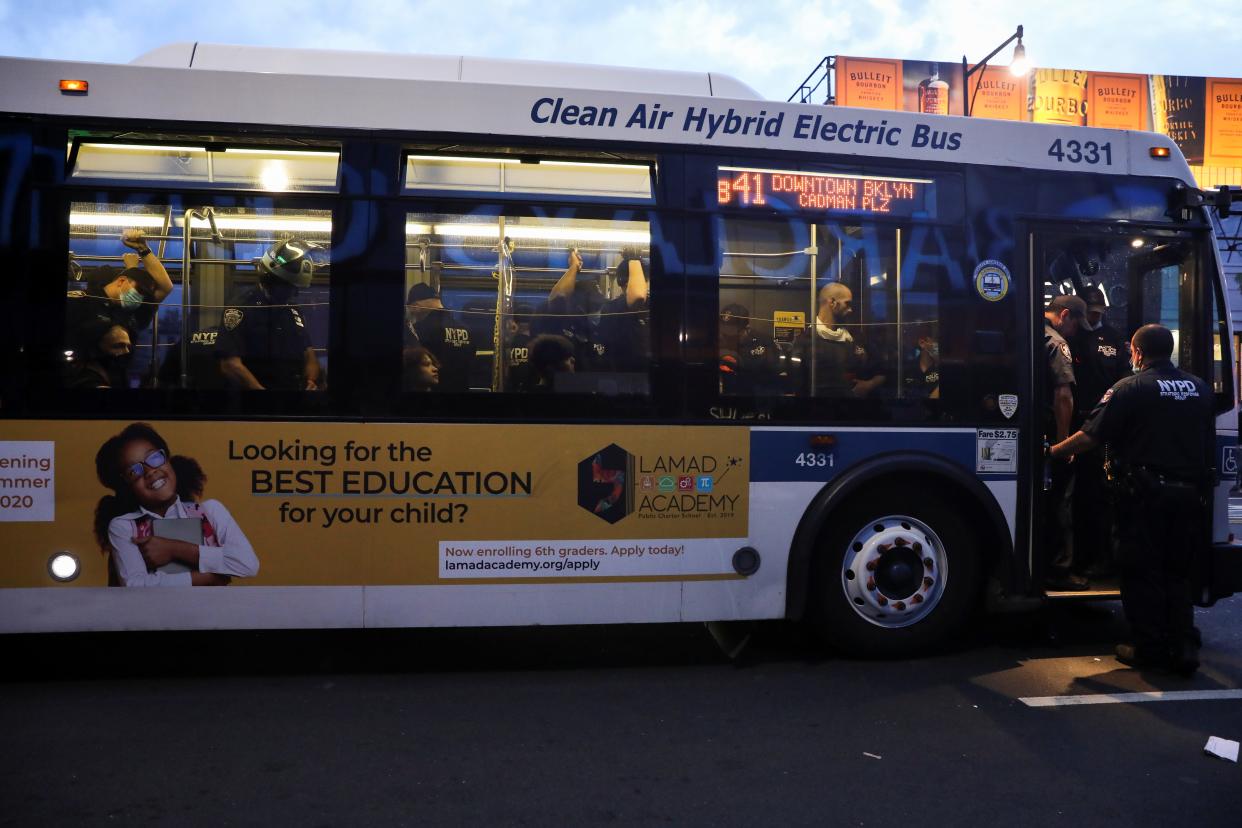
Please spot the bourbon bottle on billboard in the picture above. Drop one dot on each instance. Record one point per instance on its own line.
(934, 94)
(1059, 96)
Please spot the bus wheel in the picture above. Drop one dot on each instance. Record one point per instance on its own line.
(894, 579)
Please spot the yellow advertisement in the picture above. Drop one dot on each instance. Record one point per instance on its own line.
(1117, 101)
(1224, 123)
(1058, 96)
(871, 83)
(276, 504)
(996, 93)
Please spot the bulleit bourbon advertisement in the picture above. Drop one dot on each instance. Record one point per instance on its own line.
(1203, 115)
(1117, 101)
(277, 504)
(1224, 123)
(996, 93)
(871, 83)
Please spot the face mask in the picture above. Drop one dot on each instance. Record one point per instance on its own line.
(282, 294)
(131, 299)
(117, 368)
(1094, 327)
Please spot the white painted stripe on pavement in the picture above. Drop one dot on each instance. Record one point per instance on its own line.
(1131, 698)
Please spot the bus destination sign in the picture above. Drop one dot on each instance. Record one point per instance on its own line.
(788, 190)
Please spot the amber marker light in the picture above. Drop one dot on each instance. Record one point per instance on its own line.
(1160, 152)
(823, 441)
(75, 87)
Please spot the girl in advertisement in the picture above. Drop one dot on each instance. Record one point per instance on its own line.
(150, 484)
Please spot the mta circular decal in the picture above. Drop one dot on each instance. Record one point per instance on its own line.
(992, 280)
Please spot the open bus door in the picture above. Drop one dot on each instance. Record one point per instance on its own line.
(1146, 275)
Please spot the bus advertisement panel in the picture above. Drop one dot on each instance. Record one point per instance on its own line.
(333, 504)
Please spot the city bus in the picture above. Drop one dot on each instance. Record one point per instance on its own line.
(402, 341)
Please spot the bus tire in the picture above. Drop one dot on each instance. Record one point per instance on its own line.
(894, 575)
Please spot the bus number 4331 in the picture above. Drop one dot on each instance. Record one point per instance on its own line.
(1077, 152)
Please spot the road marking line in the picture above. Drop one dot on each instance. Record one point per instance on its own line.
(1130, 698)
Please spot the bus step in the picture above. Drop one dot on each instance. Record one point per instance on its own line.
(1103, 594)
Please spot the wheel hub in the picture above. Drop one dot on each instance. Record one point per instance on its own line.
(894, 571)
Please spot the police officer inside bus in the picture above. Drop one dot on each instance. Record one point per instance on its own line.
(625, 318)
(572, 311)
(431, 326)
(129, 297)
(263, 342)
(1101, 358)
(1160, 434)
(1062, 319)
(748, 360)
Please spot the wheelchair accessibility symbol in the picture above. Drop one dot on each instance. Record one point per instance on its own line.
(1229, 460)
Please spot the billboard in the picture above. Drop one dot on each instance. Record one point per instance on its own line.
(324, 504)
(1203, 115)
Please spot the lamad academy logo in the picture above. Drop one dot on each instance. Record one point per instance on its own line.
(605, 483)
(613, 484)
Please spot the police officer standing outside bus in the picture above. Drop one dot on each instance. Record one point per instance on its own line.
(1062, 319)
(1160, 434)
(1101, 358)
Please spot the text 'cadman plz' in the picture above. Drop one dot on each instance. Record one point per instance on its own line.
(704, 121)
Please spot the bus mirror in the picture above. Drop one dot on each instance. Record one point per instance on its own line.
(1221, 199)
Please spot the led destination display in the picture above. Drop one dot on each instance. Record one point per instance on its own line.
(790, 190)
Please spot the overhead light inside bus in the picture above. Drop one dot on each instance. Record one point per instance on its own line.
(143, 147)
(527, 174)
(541, 162)
(465, 159)
(213, 165)
(559, 233)
(299, 224)
(269, 152)
(274, 178)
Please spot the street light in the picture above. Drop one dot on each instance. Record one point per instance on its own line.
(1018, 66)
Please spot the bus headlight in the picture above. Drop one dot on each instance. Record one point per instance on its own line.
(63, 566)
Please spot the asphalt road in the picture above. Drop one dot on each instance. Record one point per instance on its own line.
(611, 725)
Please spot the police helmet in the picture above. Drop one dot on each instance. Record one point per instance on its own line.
(292, 260)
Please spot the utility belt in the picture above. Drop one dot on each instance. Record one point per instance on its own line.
(1136, 479)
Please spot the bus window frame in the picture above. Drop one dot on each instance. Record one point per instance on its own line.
(951, 199)
(45, 395)
(522, 405)
(651, 161)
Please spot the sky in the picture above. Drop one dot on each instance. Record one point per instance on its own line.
(770, 45)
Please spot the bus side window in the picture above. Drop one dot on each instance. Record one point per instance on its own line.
(765, 280)
(260, 297)
(806, 309)
(486, 294)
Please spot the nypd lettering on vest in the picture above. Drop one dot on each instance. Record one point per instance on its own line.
(1177, 389)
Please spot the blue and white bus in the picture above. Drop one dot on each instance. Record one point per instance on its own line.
(697, 356)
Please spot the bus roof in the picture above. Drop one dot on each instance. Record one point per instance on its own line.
(232, 86)
(350, 64)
